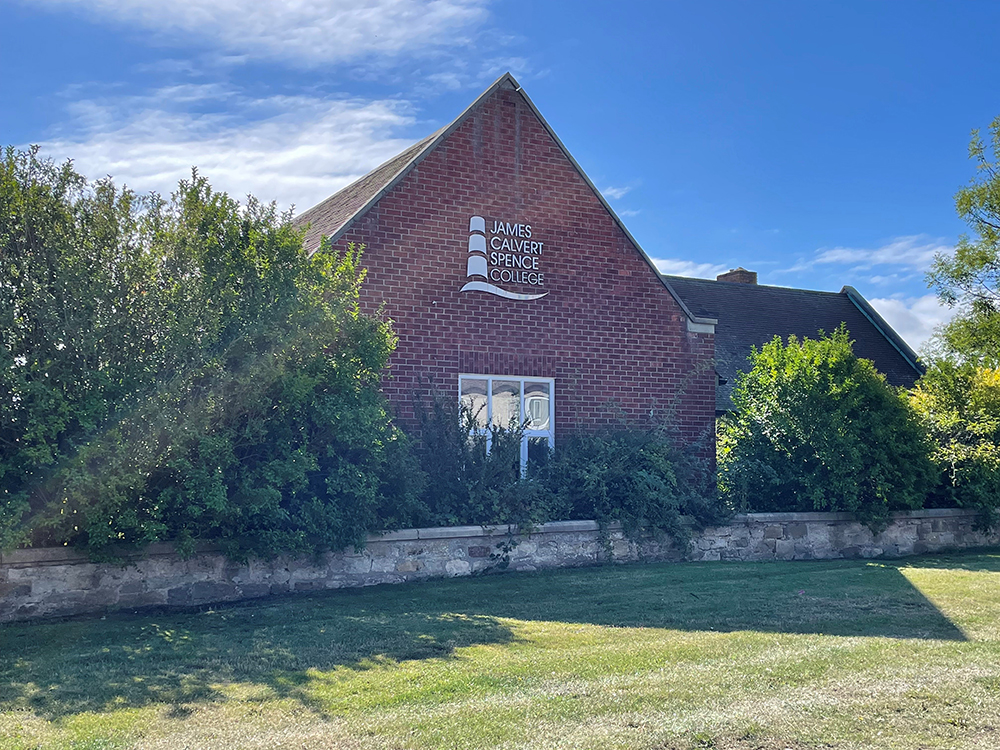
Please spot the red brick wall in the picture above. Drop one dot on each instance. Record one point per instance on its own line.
(607, 331)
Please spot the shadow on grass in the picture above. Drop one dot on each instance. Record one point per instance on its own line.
(179, 658)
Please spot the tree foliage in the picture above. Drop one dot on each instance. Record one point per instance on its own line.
(817, 428)
(960, 405)
(179, 369)
(969, 280)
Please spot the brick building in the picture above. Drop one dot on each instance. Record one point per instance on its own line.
(512, 283)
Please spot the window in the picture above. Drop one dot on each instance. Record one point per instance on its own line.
(503, 400)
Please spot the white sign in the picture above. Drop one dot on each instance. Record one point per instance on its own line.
(506, 254)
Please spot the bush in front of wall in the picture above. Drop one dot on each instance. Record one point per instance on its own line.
(640, 476)
(180, 369)
(473, 471)
(818, 429)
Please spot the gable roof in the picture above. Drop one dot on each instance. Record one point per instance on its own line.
(751, 315)
(334, 216)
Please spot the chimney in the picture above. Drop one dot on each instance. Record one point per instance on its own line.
(738, 276)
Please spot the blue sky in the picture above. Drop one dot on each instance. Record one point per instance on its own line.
(819, 144)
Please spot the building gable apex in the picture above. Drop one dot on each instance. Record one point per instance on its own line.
(343, 209)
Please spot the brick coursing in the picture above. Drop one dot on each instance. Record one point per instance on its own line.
(608, 331)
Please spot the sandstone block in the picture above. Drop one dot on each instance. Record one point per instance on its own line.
(797, 530)
(309, 585)
(12, 590)
(457, 568)
(204, 592)
(784, 549)
(141, 599)
(179, 595)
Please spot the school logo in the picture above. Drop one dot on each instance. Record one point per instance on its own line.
(506, 254)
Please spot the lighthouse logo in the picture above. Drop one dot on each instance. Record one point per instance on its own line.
(506, 253)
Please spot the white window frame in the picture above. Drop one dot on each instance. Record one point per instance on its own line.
(550, 433)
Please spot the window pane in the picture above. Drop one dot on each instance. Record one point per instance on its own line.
(474, 399)
(536, 404)
(538, 452)
(506, 403)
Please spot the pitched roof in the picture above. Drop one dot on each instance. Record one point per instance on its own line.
(334, 216)
(751, 315)
(329, 217)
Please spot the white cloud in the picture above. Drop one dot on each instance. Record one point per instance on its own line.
(629, 212)
(679, 267)
(914, 252)
(306, 32)
(293, 149)
(913, 318)
(892, 278)
(614, 193)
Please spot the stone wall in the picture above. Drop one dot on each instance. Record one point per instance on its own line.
(53, 582)
(831, 536)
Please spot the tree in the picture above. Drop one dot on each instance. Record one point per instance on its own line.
(960, 405)
(817, 428)
(969, 281)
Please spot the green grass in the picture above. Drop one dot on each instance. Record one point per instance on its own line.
(749, 656)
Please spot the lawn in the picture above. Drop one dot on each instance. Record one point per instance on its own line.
(843, 654)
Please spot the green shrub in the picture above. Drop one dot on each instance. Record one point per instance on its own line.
(960, 406)
(816, 428)
(642, 477)
(181, 370)
(78, 333)
(473, 473)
